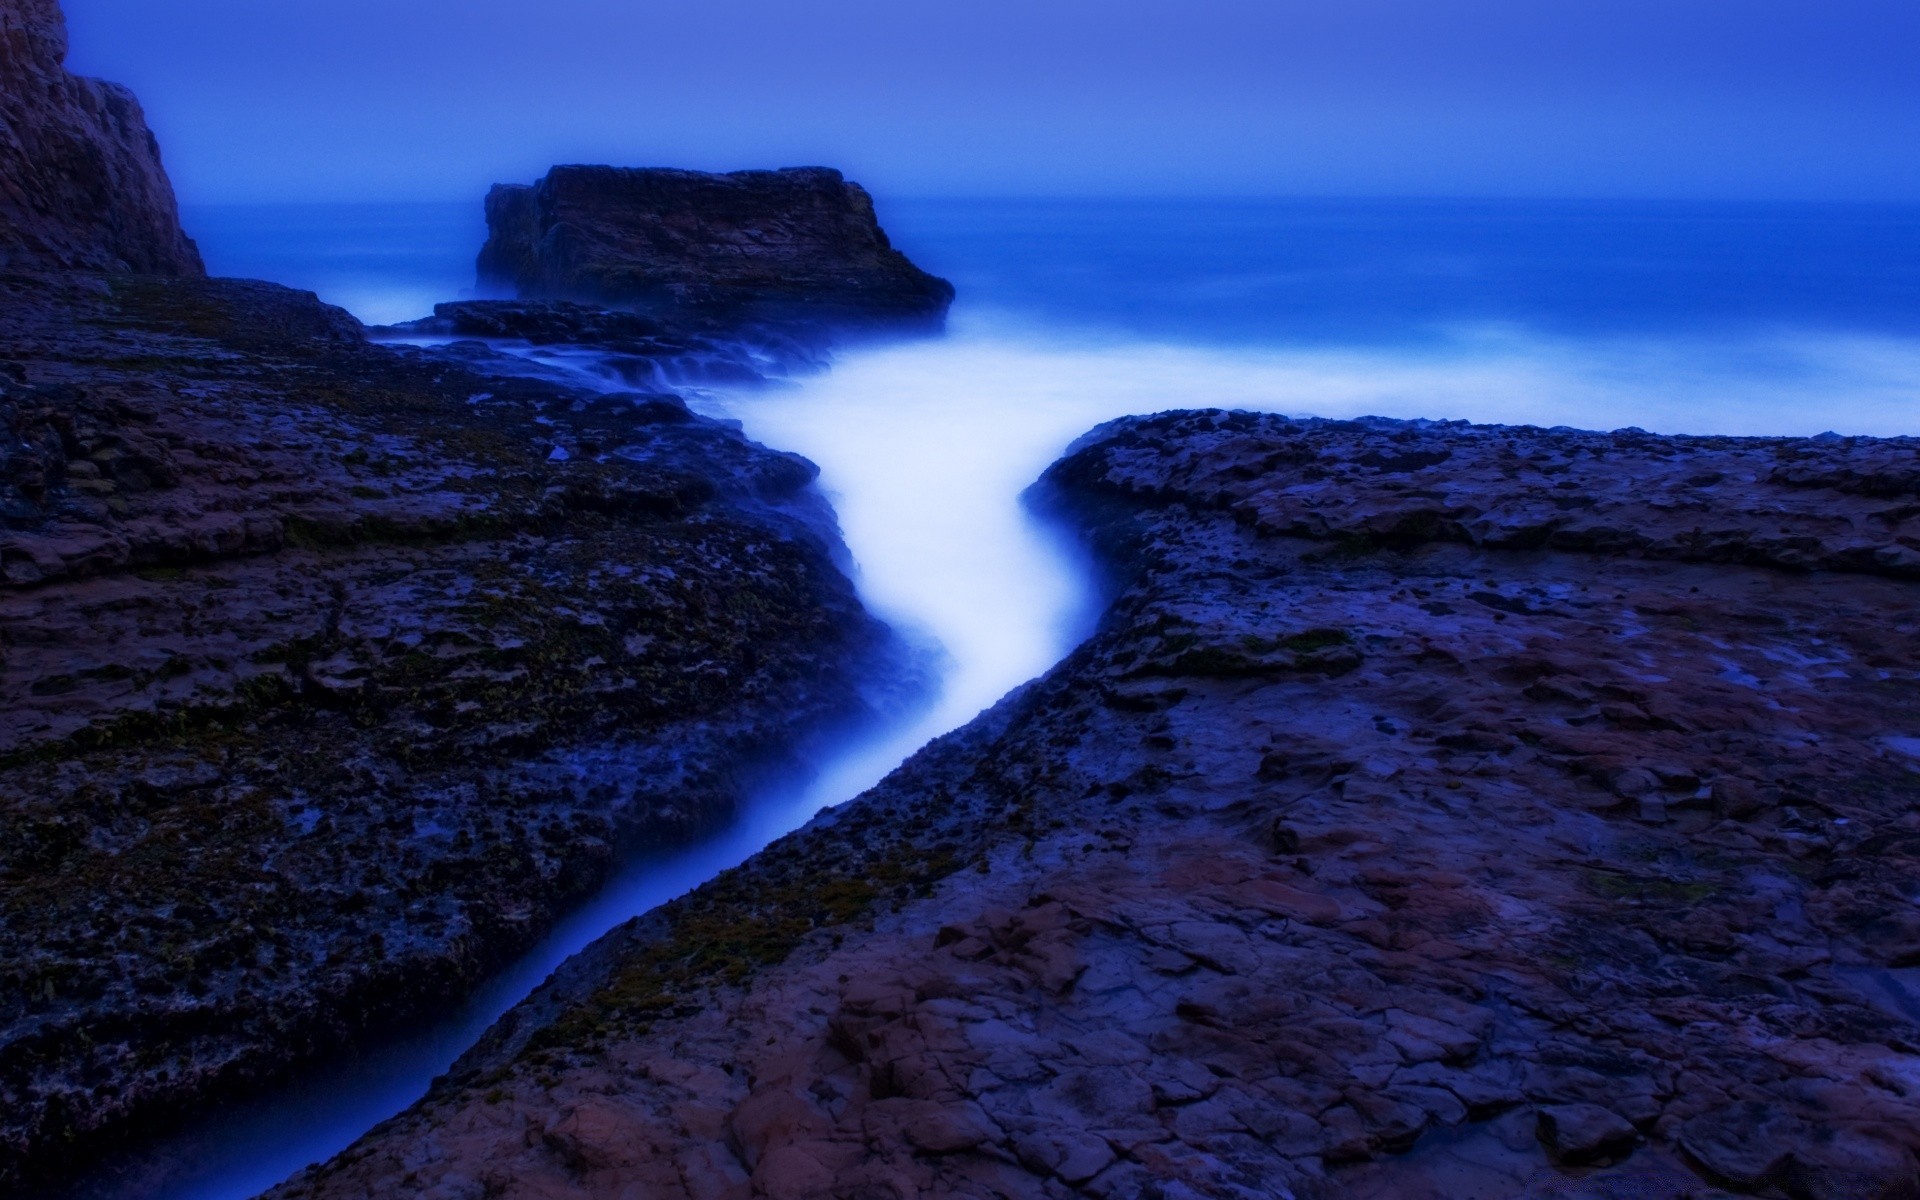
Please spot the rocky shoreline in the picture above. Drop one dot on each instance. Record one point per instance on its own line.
(335, 673)
(1440, 811)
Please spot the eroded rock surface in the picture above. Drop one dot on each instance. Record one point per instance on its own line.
(800, 241)
(1440, 812)
(81, 185)
(331, 674)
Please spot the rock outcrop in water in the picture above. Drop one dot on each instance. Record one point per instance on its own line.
(81, 186)
(1440, 811)
(799, 242)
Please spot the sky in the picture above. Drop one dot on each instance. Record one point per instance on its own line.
(331, 100)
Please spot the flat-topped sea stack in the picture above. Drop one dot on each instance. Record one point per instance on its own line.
(800, 242)
(81, 185)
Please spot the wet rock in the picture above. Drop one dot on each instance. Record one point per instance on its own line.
(668, 348)
(544, 323)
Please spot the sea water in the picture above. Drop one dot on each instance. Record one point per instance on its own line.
(1739, 319)
(1700, 318)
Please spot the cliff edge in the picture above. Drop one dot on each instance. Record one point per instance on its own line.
(81, 185)
(800, 241)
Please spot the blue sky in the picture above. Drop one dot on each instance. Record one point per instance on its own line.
(434, 99)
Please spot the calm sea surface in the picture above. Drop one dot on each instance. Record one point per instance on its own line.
(1281, 273)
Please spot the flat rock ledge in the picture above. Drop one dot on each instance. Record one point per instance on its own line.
(1440, 811)
(331, 675)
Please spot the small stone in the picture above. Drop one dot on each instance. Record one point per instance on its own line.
(1747, 1145)
(1380, 768)
(1169, 962)
(1632, 783)
(1577, 1134)
(949, 1129)
(1072, 1155)
(1282, 838)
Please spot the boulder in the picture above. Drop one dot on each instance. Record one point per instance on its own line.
(797, 242)
(1584, 1133)
(81, 185)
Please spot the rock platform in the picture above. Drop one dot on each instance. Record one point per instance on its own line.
(1440, 811)
(334, 673)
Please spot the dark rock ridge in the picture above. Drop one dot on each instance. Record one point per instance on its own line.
(331, 674)
(1440, 811)
(81, 186)
(660, 349)
(796, 242)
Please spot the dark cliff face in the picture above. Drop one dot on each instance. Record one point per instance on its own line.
(81, 185)
(796, 241)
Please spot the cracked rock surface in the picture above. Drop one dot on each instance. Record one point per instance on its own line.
(1440, 811)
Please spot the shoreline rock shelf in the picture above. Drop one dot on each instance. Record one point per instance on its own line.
(1400, 834)
(330, 683)
(1439, 809)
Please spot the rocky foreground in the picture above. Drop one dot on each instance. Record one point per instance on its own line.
(1440, 812)
(331, 674)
